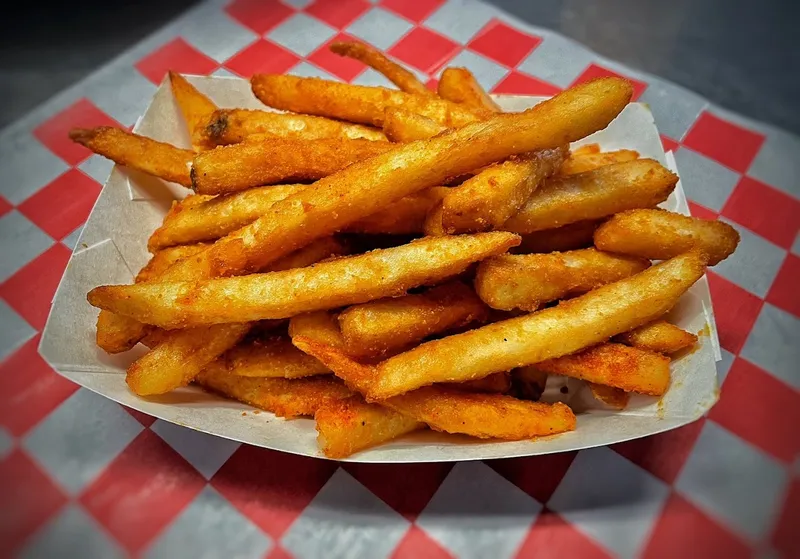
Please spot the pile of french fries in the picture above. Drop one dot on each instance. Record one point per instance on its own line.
(392, 260)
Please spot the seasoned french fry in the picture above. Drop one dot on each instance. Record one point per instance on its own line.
(595, 194)
(502, 346)
(283, 397)
(274, 358)
(585, 149)
(615, 365)
(164, 259)
(403, 126)
(527, 281)
(488, 199)
(375, 59)
(405, 216)
(496, 383)
(195, 107)
(659, 336)
(321, 326)
(347, 426)
(181, 354)
(231, 126)
(137, 152)
(460, 86)
(586, 162)
(378, 327)
(660, 234)
(610, 396)
(346, 281)
(568, 237)
(354, 103)
(236, 167)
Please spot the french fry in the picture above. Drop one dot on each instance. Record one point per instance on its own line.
(659, 336)
(350, 425)
(460, 86)
(378, 327)
(354, 103)
(488, 199)
(375, 59)
(320, 326)
(231, 126)
(496, 383)
(403, 126)
(137, 152)
(553, 332)
(610, 396)
(346, 281)
(195, 107)
(527, 281)
(568, 237)
(405, 216)
(585, 149)
(615, 365)
(587, 162)
(643, 183)
(272, 358)
(181, 354)
(660, 234)
(236, 167)
(116, 333)
(283, 397)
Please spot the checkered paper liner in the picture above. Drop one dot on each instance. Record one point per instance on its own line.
(83, 476)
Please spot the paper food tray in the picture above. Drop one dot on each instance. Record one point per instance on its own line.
(131, 205)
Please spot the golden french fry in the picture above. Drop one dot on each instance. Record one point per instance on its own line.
(496, 383)
(527, 281)
(281, 396)
(488, 199)
(347, 426)
(502, 346)
(643, 183)
(615, 365)
(659, 336)
(568, 237)
(164, 259)
(181, 354)
(273, 358)
(354, 103)
(320, 326)
(231, 126)
(610, 396)
(346, 281)
(137, 152)
(405, 216)
(460, 86)
(375, 59)
(585, 149)
(381, 326)
(253, 163)
(403, 126)
(195, 107)
(660, 234)
(586, 162)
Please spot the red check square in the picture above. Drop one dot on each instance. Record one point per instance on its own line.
(764, 210)
(669, 144)
(552, 537)
(54, 131)
(701, 211)
(784, 538)
(416, 543)
(415, 11)
(503, 43)
(783, 293)
(735, 310)
(424, 49)
(517, 83)
(594, 71)
(538, 476)
(262, 57)
(725, 142)
(177, 55)
(258, 15)
(338, 13)
(5, 206)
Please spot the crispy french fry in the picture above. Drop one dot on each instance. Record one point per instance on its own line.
(231, 126)
(660, 234)
(610, 396)
(403, 126)
(283, 397)
(273, 358)
(405, 216)
(502, 346)
(347, 426)
(137, 152)
(585, 149)
(595, 194)
(181, 354)
(588, 161)
(496, 383)
(237, 167)
(527, 281)
(659, 336)
(164, 259)
(568, 237)
(488, 199)
(346, 281)
(615, 365)
(381, 326)
(195, 107)
(354, 103)
(460, 86)
(375, 59)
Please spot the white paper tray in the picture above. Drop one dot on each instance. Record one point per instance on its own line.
(112, 248)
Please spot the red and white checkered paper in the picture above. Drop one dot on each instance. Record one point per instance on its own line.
(81, 476)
